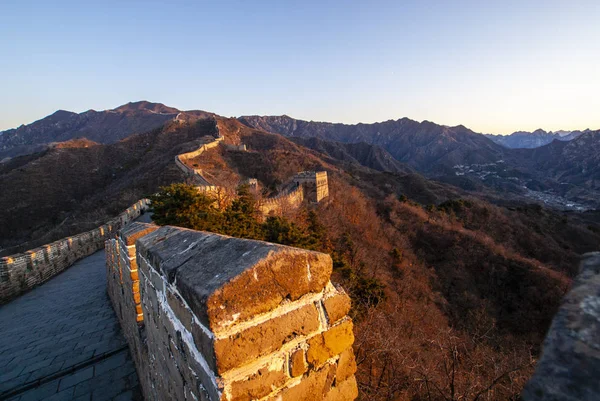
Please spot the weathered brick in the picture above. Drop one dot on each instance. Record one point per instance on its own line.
(261, 383)
(205, 344)
(346, 365)
(346, 390)
(313, 386)
(298, 365)
(230, 280)
(337, 306)
(136, 230)
(330, 343)
(265, 338)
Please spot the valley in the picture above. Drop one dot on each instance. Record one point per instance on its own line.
(439, 235)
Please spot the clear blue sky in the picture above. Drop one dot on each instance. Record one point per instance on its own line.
(494, 66)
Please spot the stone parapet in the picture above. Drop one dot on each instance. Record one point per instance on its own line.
(287, 200)
(569, 368)
(196, 174)
(231, 319)
(21, 272)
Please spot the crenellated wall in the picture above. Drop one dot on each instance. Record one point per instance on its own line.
(230, 319)
(196, 174)
(310, 185)
(21, 272)
(287, 200)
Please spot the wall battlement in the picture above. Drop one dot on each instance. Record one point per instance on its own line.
(21, 272)
(310, 185)
(287, 200)
(230, 319)
(196, 174)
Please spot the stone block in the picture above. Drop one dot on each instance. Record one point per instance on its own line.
(337, 306)
(298, 365)
(265, 338)
(230, 280)
(312, 387)
(346, 390)
(205, 344)
(260, 384)
(346, 366)
(330, 343)
(183, 313)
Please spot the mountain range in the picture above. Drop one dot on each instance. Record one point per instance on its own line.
(108, 126)
(535, 139)
(560, 173)
(406, 220)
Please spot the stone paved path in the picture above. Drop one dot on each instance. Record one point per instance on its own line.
(62, 341)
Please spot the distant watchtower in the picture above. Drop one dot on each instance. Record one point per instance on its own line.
(315, 185)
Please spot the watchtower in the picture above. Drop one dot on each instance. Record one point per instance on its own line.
(315, 185)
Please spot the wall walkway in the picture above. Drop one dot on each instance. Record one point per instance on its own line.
(62, 341)
(21, 272)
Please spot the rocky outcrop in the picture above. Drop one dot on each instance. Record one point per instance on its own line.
(570, 364)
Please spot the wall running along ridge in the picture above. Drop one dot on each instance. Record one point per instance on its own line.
(21, 272)
(196, 174)
(210, 317)
(288, 200)
(309, 185)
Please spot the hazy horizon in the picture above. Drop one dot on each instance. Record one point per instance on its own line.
(495, 67)
(289, 115)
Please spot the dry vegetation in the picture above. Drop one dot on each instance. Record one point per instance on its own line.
(470, 288)
(451, 301)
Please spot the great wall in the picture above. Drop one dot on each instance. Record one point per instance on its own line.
(309, 185)
(209, 317)
(21, 272)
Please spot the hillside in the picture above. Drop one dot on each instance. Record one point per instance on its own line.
(371, 156)
(567, 169)
(460, 157)
(462, 275)
(429, 270)
(108, 126)
(74, 186)
(452, 155)
(426, 146)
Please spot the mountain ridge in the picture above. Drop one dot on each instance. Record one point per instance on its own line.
(107, 126)
(535, 139)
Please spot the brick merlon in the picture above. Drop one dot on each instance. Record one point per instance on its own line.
(129, 234)
(226, 280)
